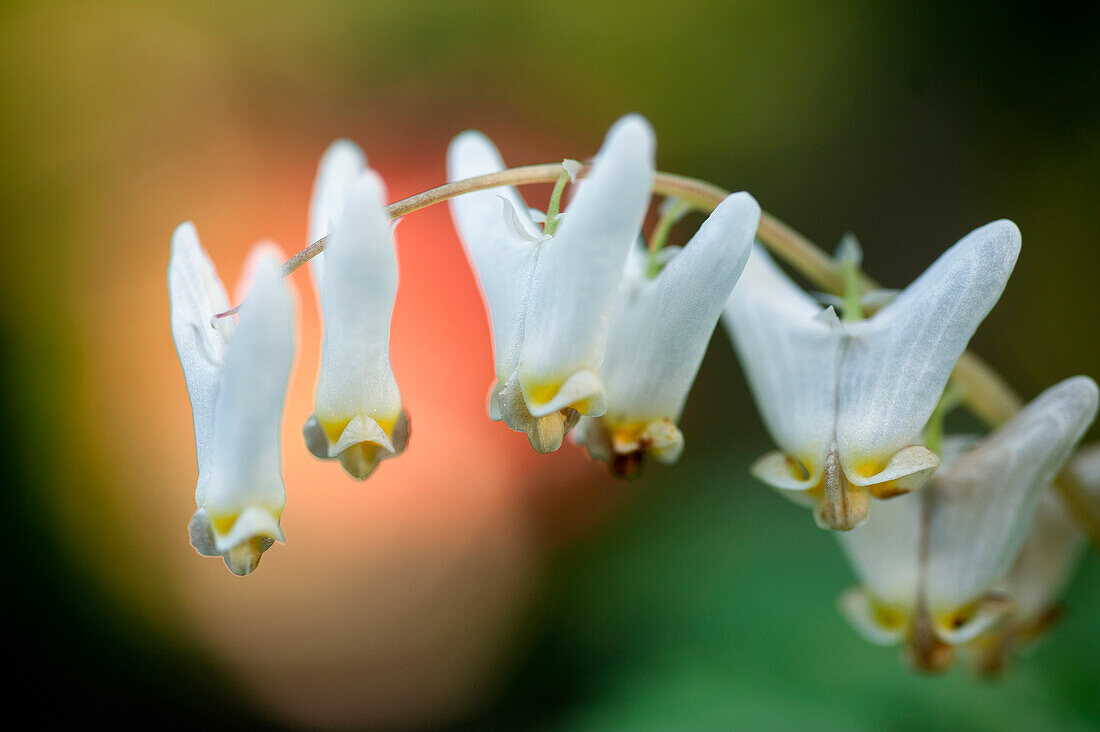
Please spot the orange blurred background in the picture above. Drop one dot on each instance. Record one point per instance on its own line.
(395, 600)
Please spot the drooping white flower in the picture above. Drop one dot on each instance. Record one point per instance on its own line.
(358, 418)
(929, 561)
(342, 163)
(659, 332)
(237, 378)
(549, 297)
(1042, 569)
(846, 402)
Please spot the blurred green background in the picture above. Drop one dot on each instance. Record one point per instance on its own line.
(693, 598)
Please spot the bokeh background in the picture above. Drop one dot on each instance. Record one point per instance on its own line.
(469, 584)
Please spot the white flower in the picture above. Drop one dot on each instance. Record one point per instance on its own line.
(237, 378)
(1042, 569)
(342, 163)
(549, 298)
(846, 402)
(659, 332)
(358, 417)
(928, 561)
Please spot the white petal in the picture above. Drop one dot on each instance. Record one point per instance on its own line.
(908, 470)
(984, 502)
(493, 407)
(859, 610)
(581, 386)
(515, 225)
(1085, 468)
(578, 270)
(202, 534)
(660, 327)
(572, 167)
(361, 429)
(666, 442)
(1054, 545)
(502, 262)
(249, 404)
(593, 436)
(988, 613)
(254, 521)
(781, 471)
(790, 359)
(357, 296)
(341, 164)
(196, 295)
(885, 551)
(1047, 559)
(897, 363)
(877, 299)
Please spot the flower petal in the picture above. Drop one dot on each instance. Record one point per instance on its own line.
(885, 551)
(341, 164)
(578, 270)
(248, 410)
(908, 469)
(1053, 546)
(988, 612)
(897, 363)
(790, 358)
(666, 442)
(660, 327)
(202, 534)
(361, 429)
(196, 295)
(502, 261)
(253, 521)
(583, 391)
(357, 296)
(860, 610)
(781, 471)
(985, 501)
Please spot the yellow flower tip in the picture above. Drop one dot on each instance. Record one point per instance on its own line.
(255, 519)
(334, 427)
(359, 443)
(542, 393)
(889, 617)
(887, 489)
(361, 459)
(626, 445)
(582, 391)
(238, 537)
(868, 468)
(952, 620)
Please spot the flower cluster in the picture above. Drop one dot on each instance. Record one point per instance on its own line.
(598, 331)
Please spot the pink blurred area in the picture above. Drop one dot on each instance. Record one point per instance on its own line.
(397, 601)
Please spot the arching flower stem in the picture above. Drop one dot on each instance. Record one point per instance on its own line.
(553, 209)
(984, 393)
(659, 238)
